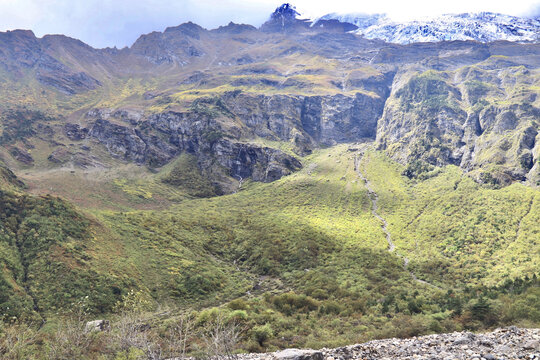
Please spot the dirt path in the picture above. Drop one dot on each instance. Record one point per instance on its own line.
(374, 210)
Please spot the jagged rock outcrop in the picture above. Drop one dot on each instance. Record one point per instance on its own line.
(21, 155)
(75, 132)
(423, 119)
(216, 148)
(443, 119)
(284, 18)
(341, 118)
(120, 141)
(62, 155)
(247, 161)
(161, 137)
(308, 121)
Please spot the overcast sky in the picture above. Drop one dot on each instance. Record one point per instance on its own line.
(103, 23)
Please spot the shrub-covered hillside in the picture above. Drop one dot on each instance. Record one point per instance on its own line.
(303, 259)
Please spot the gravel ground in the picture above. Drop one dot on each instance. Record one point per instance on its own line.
(507, 343)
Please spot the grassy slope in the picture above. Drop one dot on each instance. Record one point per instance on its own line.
(312, 233)
(456, 231)
(302, 252)
(272, 229)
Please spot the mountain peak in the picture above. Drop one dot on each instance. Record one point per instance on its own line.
(286, 11)
(189, 29)
(285, 18)
(234, 28)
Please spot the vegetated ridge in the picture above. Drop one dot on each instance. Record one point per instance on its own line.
(217, 174)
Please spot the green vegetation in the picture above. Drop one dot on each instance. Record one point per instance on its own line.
(18, 124)
(211, 107)
(300, 262)
(451, 226)
(44, 248)
(186, 174)
(427, 92)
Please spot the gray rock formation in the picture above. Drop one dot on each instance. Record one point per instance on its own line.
(296, 354)
(75, 132)
(309, 121)
(212, 130)
(508, 343)
(97, 325)
(158, 139)
(442, 120)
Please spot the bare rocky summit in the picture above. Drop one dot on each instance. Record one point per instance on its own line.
(506, 343)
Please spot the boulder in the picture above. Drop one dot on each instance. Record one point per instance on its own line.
(466, 338)
(532, 345)
(97, 325)
(296, 354)
(75, 132)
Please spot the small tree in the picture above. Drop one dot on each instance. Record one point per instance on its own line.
(177, 338)
(480, 309)
(262, 333)
(222, 339)
(132, 332)
(15, 340)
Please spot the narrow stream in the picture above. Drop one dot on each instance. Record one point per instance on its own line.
(374, 207)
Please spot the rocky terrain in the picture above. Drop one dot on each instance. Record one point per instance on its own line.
(238, 89)
(505, 343)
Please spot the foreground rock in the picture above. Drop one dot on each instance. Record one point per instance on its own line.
(97, 325)
(507, 343)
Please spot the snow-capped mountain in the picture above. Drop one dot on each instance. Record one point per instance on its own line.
(362, 21)
(484, 27)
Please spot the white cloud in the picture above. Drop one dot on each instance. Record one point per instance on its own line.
(119, 22)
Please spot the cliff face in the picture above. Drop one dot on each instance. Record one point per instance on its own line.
(446, 118)
(221, 157)
(287, 84)
(312, 120)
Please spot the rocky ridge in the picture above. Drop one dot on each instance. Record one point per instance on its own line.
(289, 85)
(483, 27)
(504, 343)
